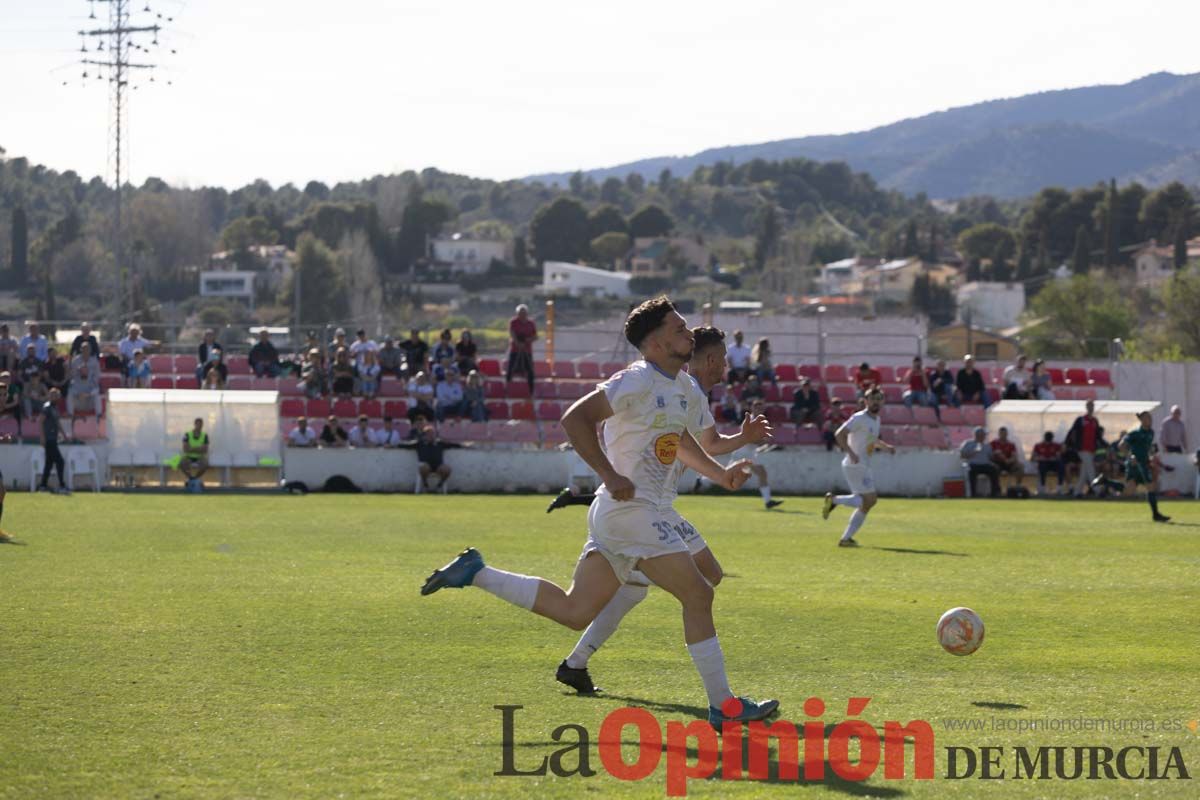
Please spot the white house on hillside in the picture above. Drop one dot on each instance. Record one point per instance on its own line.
(577, 280)
(1155, 265)
(992, 305)
(470, 256)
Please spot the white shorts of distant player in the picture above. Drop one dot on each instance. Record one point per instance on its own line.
(859, 478)
(628, 531)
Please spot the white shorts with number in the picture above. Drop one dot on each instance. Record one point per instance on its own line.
(859, 478)
(626, 532)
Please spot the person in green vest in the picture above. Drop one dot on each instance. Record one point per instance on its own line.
(195, 453)
(1138, 469)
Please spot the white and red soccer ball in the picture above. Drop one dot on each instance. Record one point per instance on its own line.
(960, 631)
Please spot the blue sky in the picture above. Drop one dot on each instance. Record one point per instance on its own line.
(292, 90)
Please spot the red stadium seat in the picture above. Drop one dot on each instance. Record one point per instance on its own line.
(489, 367)
(317, 408)
(888, 375)
(549, 411)
(162, 382)
(396, 409)
(895, 415)
(1056, 376)
(973, 415)
(289, 387)
(185, 363)
(521, 409)
(238, 365)
(589, 370)
(809, 436)
(836, 373)
(810, 371)
(517, 390)
(475, 431)
(239, 383)
(505, 431)
(1064, 393)
(527, 433)
(1077, 376)
(545, 390)
(553, 434)
(109, 382)
(957, 436)
(345, 409)
(264, 384)
(564, 369)
(497, 409)
(609, 368)
(1086, 394)
(771, 393)
(924, 415)
(786, 373)
(162, 364)
(1100, 377)
(541, 370)
(952, 416)
(291, 407)
(392, 387)
(718, 392)
(893, 394)
(372, 408)
(844, 393)
(493, 390)
(934, 438)
(187, 382)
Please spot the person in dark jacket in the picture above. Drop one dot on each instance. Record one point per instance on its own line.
(430, 450)
(970, 385)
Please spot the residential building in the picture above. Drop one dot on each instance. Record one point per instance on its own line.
(956, 340)
(1154, 264)
(469, 256)
(651, 256)
(577, 280)
(845, 276)
(991, 305)
(236, 284)
(894, 279)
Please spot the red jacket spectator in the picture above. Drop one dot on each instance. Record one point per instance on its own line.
(867, 377)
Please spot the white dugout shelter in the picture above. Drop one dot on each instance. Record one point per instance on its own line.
(146, 427)
(1028, 420)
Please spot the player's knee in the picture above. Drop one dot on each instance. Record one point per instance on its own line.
(869, 501)
(578, 619)
(698, 595)
(714, 575)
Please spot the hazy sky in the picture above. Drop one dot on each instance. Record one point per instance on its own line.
(293, 90)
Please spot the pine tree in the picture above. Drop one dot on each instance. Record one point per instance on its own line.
(931, 255)
(20, 246)
(974, 271)
(1112, 234)
(1181, 240)
(911, 245)
(1000, 270)
(1081, 258)
(766, 237)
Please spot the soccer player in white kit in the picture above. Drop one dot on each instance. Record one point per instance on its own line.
(858, 438)
(651, 411)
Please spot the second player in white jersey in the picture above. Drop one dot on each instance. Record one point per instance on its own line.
(859, 439)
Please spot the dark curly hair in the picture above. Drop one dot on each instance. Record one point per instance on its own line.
(707, 336)
(646, 318)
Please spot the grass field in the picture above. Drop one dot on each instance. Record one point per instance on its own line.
(212, 646)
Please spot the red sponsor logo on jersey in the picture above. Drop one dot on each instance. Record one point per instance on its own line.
(666, 447)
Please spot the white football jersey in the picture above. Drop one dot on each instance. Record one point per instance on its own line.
(862, 430)
(650, 412)
(706, 422)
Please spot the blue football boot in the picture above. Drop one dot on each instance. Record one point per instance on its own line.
(740, 709)
(457, 574)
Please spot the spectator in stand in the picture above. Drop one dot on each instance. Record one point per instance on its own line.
(866, 378)
(30, 364)
(1041, 387)
(361, 434)
(204, 351)
(339, 341)
(133, 341)
(195, 454)
(731, 408)
(51, 430)
(314, 378)
(420, 397)
(760, 361)
(753, 390)
(391, 358)
(522, 333)
(86, 360)
(416, 354)
(33, 395)
(465, 352)
(920, 390)
(361, 346)
(977, 453)
(1173, 435)
(475, 398)
(334, 435)
(388, 435)
(10, 399)
(57, 372)
(430, 451)
(444, 349)
(806, 405)
(451, 400)
(83, 392)
(33, 338)
(215, 364)
(970, 385)
(1006, 457)
(1084, 438)
(941, 380)
(738, 357)
(85, 335)
(212, 381)
(264, 358)
(441, 368)
(138, 375)
(1017, 381)
(342, 374)
(10, 352)
(1048, 455)
(835, 416)
(369, 375)
(302, 435)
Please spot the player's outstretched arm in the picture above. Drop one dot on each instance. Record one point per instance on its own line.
(579, 423)
(693, 456)
(755, 430)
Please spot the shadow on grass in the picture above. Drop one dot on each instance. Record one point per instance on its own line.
(910, 551)
(999, 706)
(1175, 524)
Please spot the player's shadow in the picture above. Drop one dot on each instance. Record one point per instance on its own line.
(999, 706)
(667, 708)
(1174, 524)
(911, 551)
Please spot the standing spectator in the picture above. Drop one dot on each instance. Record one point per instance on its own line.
(1048, 455)
(369, 375)
(264, 358)
(342, 373)
(1174, 435)
(194, 463)
(465, 352)
(475, 398)
(33, 338)
(302, 435)
(215, 364)
(835, 417)
(33, 395)
(314, 379)
(138, 375)
(970, 385)
(978, 455)
(51, 429)
(10, 352)
(85, 335)
(430, 451)
(361, 346)
(339, 341)
(416, 354)
(1006, 456)
(738, 356)
(420, 397)
(444, 349)
(941, 380)
(388, 435)
(920, 391)
(133, 341)
(450, 396)
(867, 378)
(1017, 381)
(361, 434)
(10, 399)
(760, 361)
(334, 435)
(522, 333)
(806, 405)
(391, 358)
(1084, 437)
(1041, 386)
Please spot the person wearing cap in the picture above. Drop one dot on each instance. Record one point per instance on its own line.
(302, 435)
(132, 341)
(85, 335)
(264, 358)
(361, 346)
(33, 338)
(1139, 443)
(977, 454)
(1173, 435)
(970, 385)
(450, 396)
(522, 333)
(314, 378)
(339, 340)
(391, 358)
(416, 354)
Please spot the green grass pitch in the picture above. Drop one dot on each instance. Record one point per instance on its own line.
(216, 646)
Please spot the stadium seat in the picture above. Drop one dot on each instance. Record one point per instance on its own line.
(784, 435)
(527, 433)
(545, 390)
(952, 416)
(497, 409)
(291, 407)
(889, 375)
(895, 415)
(844, 392)
(810, 371)
(717, 393)
(786, 373)
(396, 409)
(238, 365)
(372, 408)
(521, 409)
(1077, 376)
(317, 408)
(541, 370)
(86, 427)
(517, 390)
(573, 390)
(162, 364)
(1063, 393)
(809, 436)
(1056, 376)
(893, 394)
(186, 364)
(924, 415)
(493, 390)
(289, 387)
(489, 367)
(264, 384)
(186, 382)
(777, 414)
(239, 383)
(392, 387)
(110, 382)
(1100, 377)
(452, 430)
(957, 436)
(770, 393)
(934, 438)
(402, 427)
(553, 434)
(345, 408)
(162, 382)
(973, 415)
(907, 436)
(588, 369)
(1086, 394)
(564, 369)
(475, 431)
(549, 411)
(609, 368)
(836, 373)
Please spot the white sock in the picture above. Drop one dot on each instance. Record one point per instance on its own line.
(765, 491)
(520, 590)
(856, 521)
(848, 500)
(710, 663)
(605, 624)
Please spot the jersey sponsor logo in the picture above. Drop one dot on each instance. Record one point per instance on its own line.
(666, 447)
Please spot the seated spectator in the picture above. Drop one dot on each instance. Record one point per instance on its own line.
(1041, 387)
(361, 434)
(391, 358)
(302, 435)
(970, 385)
(806, 405)
(10, 352)
(738, 356)
(522, 333)
(195, 454)
(334, 435)
(83, 392)
(465, 352)
(33, 395)
(430, 451)
(204, 352)
(731, 408)
(1048, 455)
(360, 347)
(368, 375)
(314, 380)
(760, 361)
(30, 364)
(57, 373)
(85, 335)
(416, 354)
(444, 349)
(86, 359)
(757, 408)
(264, 358)
(339, 341)
(388, 435)
(212, 381)
(1006, 457)
(133, 341)
(10, 399)
(835, 416)
(440, 368)
(1017, 381)
(33, 338)
(451, 399)
(137, 376)
(866, 378)
(977, 453)
(420, 397)
(941, 380)
(920, 391)
(475, 398)
(342, 374)
(215, 363)
(753, 390)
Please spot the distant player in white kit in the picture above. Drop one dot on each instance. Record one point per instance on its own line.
(858, 438)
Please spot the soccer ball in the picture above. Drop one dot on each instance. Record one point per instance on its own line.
(960, 631)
